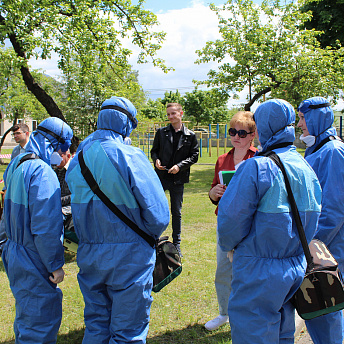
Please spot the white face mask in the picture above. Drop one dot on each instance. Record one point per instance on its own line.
(55, 159)
(260, 148)
(309, 140)
(127, 141)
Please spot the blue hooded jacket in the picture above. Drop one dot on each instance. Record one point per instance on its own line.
(255, 220)
(328, 164)
(33, 221)
(116, 264)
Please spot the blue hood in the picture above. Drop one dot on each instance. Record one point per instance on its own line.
(44, 144)
(274, 119)
(319, 121)
(114, 119)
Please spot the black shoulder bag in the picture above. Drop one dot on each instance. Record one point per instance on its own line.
(168, 262)
(321, 291)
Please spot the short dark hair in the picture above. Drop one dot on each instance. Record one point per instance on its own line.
(24, 128)
(74, 146)
(176, 105)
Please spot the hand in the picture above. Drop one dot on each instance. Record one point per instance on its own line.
(230, 256)
(57, 276)
(174, 169)
(158, 165)
(217, 192)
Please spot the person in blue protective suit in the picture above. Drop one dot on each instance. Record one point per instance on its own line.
(325, 154)
(116, 264)
(255, 220)
(33, 255)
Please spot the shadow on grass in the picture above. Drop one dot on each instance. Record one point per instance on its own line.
(2, 268)
(191, 335)
(69, 257)
(72, 337)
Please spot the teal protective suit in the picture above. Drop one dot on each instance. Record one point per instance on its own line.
(33, 222)
(116, 264)
(328, 164)
(255, 220)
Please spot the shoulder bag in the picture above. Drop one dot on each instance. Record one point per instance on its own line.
(168, 262)
(321, 291)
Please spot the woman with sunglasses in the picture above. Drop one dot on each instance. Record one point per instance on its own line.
(242, 132)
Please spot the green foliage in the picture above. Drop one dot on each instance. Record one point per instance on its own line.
(87, 91)
(262, 48)
(86, 28)
(154, 109)
(203, 107)
(200, 107)
(327, 17)
(15, 99)
(173, 97)
(86, 34)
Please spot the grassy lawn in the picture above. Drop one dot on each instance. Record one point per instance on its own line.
(180, 310)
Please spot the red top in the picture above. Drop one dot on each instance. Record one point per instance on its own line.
(225, 162)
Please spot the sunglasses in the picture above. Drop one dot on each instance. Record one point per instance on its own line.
(241, 133)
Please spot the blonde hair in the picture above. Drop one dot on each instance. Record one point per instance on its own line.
(244, 118)
(176, 105)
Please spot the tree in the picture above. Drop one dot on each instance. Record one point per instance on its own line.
(154, 109)
(327, 17)
(86, 92)
(204, 107)
(200, 107)
(87, 30)
(173, 97)
(263, 49)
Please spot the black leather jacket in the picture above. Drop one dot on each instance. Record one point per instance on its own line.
(186, 154)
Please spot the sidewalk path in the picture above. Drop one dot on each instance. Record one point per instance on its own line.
(301, 334)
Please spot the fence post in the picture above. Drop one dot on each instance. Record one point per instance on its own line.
(225, 145)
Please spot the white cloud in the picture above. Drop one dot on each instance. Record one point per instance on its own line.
(187, 30)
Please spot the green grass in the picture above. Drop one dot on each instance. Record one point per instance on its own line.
(181, 309)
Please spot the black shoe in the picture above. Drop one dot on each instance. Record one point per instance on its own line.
(178, 249)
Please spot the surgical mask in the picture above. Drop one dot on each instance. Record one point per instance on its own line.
(55, 159)
(127, 141)
(260, 148)
(309, 140)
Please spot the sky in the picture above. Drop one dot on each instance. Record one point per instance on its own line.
(188, 24)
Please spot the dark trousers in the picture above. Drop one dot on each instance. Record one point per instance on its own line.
(176, 197)
(3, 236)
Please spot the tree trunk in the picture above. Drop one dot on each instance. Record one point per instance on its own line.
(5, 134)
(42, 96)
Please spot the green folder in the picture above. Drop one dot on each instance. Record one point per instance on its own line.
(225, 177)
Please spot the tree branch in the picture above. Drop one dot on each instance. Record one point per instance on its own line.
(44, 98)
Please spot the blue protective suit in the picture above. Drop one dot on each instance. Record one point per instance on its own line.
(116, 264)
(328, 164)
(33, 222)
(255, 220)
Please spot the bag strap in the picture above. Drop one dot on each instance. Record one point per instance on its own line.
(30, 156)
(328, 139)
(87, 174)
(276, 159)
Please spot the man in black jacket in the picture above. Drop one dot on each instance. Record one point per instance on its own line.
(174, 150)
